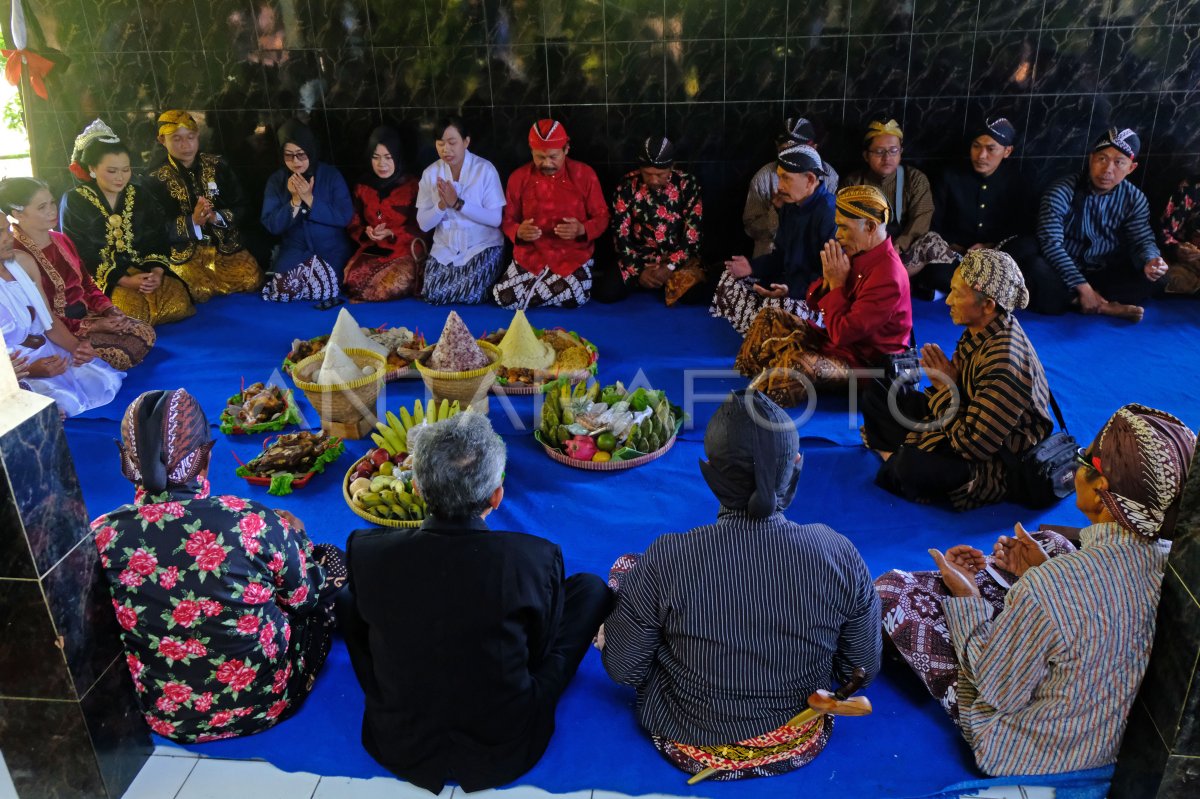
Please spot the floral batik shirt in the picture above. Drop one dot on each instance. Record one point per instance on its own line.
(203, 588)
(660, 225)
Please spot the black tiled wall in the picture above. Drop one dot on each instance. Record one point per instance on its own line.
(717, 75)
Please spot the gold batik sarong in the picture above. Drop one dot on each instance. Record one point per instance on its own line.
(209, 273)
(120, 341)
(784, 354)
(168, 303)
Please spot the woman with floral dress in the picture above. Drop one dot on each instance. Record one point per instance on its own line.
(225, 606)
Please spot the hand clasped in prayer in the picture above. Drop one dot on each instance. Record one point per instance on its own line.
(835, 265)
(301, 189)
(940, 369)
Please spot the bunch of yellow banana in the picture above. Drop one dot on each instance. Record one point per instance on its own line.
(388, 496)
(392, 436)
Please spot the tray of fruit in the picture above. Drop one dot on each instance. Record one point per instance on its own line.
(290, 460)
(403, 346)
(378, 487)
(531, 357)
(259, 408)
(606, 429)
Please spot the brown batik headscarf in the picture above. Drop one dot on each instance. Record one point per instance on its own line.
(165, 440)
(1144, 453)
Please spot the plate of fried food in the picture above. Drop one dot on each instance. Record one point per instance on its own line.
(531, 357)
(259, 408)
(289, 461)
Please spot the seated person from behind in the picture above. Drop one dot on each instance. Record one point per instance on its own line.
(725, 630)
(225, 607)
(465, 689)
(1180, 229)
(985, 407)
(656, 230)
(780, 278)
(760, 218)
(1039, 671)
(1098, 250)
(864, 303)
(554, 211)
(981, 204)
(906, 189)
(203, 203)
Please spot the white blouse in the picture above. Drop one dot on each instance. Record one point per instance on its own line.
(77, 389)
(461, 235)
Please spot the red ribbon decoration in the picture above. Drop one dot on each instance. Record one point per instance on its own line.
(39, 68)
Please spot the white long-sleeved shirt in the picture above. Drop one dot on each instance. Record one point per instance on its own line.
(461, 235)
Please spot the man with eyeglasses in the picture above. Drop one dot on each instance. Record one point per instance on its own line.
(906, 189)
(1098, 250)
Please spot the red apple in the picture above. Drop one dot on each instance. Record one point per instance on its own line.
(380, 456)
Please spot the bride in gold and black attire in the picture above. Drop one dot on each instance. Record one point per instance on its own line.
(120, 232)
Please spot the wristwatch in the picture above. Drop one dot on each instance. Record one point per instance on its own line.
(458, 204)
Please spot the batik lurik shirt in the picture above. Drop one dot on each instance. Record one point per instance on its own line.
(656, 225)
(177, 188)
(572, 192)
(1004, 407)
(111, 240)
(203, 588)
(1046, 686)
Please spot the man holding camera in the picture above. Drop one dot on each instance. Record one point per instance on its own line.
(987, 405)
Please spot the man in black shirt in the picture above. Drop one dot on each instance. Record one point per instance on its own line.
(981, 204)
(463, 639)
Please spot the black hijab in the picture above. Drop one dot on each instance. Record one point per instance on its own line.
(301, 135)
(751, 445)
(390, 139)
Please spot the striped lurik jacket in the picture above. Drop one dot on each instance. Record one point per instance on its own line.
(725, 630)
(1081, 231)
(1004, 404)
(1047, 685)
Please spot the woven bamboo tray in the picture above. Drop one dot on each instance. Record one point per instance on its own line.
(605, 466)
(372, 518)
(466, 387)
(517, 389)
(403, 373)
(348, 409)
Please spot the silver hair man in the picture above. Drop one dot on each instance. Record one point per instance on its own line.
(459, 465)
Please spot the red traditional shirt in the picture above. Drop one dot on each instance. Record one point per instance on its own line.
(71, 291)
(871, 314)
(397, 209)
(572, 192)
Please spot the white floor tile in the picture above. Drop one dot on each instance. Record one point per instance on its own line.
(524, 792)
(170, 750)
(377, 788)
(226, 779)
(161, 777)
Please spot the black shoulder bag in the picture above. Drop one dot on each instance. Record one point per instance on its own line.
(1044, 473)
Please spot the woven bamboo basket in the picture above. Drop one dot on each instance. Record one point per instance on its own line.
(371, 517)
(606, 466)
(469, 388)
(346, 410)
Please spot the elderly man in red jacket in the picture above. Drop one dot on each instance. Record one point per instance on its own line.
(861, 304)
(554, 213)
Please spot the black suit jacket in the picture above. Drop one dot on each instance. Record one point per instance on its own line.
(447, 627)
